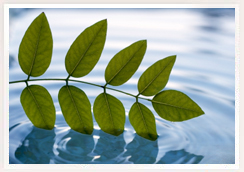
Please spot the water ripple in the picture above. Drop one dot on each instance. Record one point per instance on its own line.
(204, 70)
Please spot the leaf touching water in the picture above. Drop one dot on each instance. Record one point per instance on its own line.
(175, 106)
(125, 63)
(76, 109)
(35, 53)
(156, 76)
(143, 121)
(86, 50)
(35, 50)
(38, 106)
(109, 113)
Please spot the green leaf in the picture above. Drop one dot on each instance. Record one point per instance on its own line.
(86, 50)
(125, 63)
(143, 121)
(35, 50)
(38, 106)
(109, 113)
(174, 105)
(76, 109)
(156, 76)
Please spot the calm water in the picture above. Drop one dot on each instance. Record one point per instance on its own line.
(204, 42)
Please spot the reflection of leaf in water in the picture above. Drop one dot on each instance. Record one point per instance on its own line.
(142, 151)
(109, 147)
(180, 157)
(37, 147)
(74, 148)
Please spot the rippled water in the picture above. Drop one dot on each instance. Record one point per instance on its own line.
(202, 39)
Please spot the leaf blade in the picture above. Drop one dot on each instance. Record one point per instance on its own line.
(86, 50)
(175, 106)
(35, 50)
(76, 109)
(38, 106)
(109, 113)
(156, 76)
(125, 63)
(143, 121)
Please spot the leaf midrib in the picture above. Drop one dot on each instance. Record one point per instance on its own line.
(76, 108)
(38, 107)
(37, 44)
(124, 65)
(156, 76)
(109, 110)
(143, 119)
(83, 55)
(166, 104)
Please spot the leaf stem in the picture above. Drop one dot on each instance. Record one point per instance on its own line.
(137, 97)
(26, 82)
(28, 78)
(67, 79)
(72, 80)
(104, 89)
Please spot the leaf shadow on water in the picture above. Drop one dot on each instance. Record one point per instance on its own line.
(180, 157)
(37, 147)
(143, 151)
(108, 148)
(75, 148)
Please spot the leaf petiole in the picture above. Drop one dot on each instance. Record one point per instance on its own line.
(72, 80)
(26, 82)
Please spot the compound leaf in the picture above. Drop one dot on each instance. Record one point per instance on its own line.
(76, 109)
(35, 50)
(156, 76)
(109, 113)
(174, 105)
(86, 50)
(143, 121)
(38, 106)
(125, 63)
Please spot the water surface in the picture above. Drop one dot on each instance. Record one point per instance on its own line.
(204, 42)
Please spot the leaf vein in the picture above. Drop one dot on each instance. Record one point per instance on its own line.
(155, 77)
(109, 110)
(166, 104)
(124, 65)
(82, 56)
(143, 119)
(37, 44)
(73, 101)
(38, 107)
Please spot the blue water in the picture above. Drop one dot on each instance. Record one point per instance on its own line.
(204, 42)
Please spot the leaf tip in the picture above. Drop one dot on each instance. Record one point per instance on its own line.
(50, 127)
(118, 132)
(202, 112)
(88, 131)
(152, 137)
(105, 21)
(173, 56)
(144, 41)
(43, 14)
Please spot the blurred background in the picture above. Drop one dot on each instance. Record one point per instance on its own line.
(203, 40)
